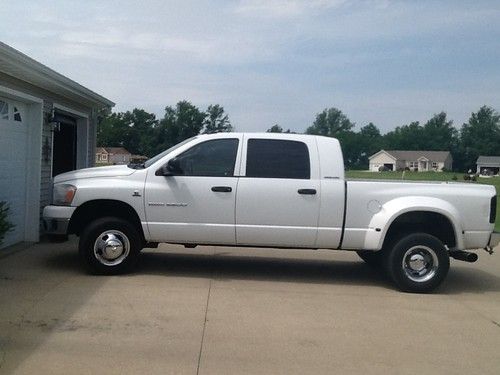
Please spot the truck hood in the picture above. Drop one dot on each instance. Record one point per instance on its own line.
(111, 171)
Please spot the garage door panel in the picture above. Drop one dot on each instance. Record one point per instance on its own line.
(13, 151)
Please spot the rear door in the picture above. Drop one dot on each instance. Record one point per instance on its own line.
(278, 197)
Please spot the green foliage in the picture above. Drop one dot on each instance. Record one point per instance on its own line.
(277, 129)
(331, 123)
(5, 225)
(406, 137)
(216, 120)
(439, 133)
(142, 133)
(179, 123)
(479, 136)
(132, 130)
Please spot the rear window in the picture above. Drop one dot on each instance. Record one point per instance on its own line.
(271, 158)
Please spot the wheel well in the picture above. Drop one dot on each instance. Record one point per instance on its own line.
(428, 222)
(92, 210)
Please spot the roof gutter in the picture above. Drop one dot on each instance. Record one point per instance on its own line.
(42, 72)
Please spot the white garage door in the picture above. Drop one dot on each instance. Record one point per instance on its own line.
(13, 144)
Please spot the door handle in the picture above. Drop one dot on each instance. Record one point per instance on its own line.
(222, 189)
(307, 191)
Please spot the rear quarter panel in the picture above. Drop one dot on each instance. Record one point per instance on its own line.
(373, 205)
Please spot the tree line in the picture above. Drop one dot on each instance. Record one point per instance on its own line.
(142, 133)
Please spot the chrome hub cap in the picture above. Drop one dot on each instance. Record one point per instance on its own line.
(420, 263)
(111, 247)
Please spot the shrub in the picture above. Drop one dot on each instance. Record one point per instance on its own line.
(454, 178)
(5, 225)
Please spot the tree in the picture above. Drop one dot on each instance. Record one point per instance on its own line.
(369, 141)
(439, 133)
(406, 137)
(132, 130)
(479, 136)
(216, 120)
(277, 129)
(179, 123)
(331, 122)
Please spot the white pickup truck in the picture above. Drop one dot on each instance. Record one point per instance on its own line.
(270, 190)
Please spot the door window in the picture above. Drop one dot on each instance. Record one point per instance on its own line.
(271, 158)
(4, 110)
(214, 158)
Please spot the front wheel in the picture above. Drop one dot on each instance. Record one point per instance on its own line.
(110, 246)
(418, 263)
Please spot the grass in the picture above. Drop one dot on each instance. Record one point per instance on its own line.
(428, 176)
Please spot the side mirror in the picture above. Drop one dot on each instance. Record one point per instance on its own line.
(172, 168)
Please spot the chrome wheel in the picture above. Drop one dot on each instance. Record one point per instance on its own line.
(420, 263)
(111, 247)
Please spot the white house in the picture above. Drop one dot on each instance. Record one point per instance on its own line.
(47, 126)
(488, 165)
(394, 160)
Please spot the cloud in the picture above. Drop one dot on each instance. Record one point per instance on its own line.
(284, 8)
(271, 61)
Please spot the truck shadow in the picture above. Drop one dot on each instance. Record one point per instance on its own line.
(269, 268)
(317, 271)
(224, 267)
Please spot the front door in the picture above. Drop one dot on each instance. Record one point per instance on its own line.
(197, 204)
(278, 198)
(64, 149)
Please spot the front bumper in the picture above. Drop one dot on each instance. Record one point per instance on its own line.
(56, 219)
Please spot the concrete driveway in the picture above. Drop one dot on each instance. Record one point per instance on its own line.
(214, 310)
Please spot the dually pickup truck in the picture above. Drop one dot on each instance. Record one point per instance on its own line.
(270, 190)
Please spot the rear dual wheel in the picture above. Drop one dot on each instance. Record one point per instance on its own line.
(416, 263)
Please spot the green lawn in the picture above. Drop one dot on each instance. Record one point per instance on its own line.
(427, 176)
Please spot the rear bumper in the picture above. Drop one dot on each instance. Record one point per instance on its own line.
(56, 219)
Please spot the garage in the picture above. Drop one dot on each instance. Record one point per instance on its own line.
(47, 126)
(13, 144)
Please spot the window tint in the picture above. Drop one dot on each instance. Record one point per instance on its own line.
(277, 159)
(17, 115)
(212, 158)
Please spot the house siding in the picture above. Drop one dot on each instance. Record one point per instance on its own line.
(46, 162)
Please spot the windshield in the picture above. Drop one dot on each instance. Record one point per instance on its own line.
(154, 159)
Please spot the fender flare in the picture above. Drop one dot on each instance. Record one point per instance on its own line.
(394, 208)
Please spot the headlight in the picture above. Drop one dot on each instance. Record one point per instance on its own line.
(63, 194)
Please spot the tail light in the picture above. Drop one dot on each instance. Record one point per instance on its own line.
(493, 209)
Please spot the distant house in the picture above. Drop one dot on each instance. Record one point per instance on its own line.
(112, 155)
(488, 165)
(393, 160)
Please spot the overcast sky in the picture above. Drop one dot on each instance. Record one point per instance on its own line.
(266, 62)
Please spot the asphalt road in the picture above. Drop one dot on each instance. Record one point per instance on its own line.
(213, 310)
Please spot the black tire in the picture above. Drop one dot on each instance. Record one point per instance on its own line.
(105, 238)
(372, 258)
(418, 263)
